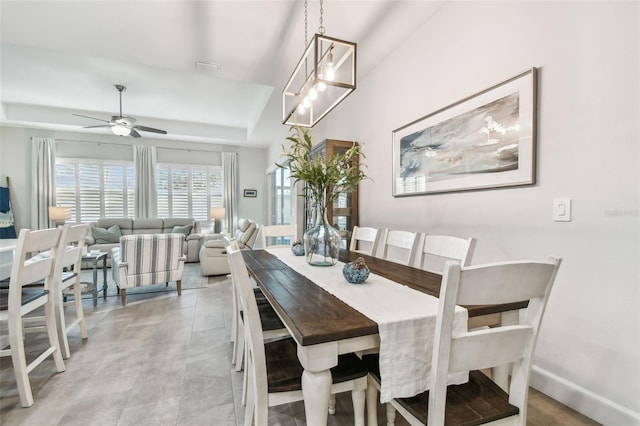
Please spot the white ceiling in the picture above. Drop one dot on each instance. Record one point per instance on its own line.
(63, 57)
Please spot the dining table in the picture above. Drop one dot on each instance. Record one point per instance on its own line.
(7, 248)
(324, 325)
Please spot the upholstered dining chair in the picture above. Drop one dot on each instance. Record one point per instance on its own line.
(274, 371)
(18, 300)
(437, 249)
(481, 400)
(270, 232)
(364, 240)
(400, 246)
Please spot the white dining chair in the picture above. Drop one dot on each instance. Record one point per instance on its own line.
(273, 328)
(438, 249)
(400, 246)
(480, 400)
(18, 300)
(278, 233)
(274, 371)
(67, 282)
(364, 240)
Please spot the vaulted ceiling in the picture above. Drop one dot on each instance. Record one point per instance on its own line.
(63, 57)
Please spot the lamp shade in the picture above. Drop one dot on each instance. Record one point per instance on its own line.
(217, 213)
(59, 213)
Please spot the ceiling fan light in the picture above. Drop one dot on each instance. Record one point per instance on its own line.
(120, 130)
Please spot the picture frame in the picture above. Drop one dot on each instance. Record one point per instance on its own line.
(487, 140)
(251, 193)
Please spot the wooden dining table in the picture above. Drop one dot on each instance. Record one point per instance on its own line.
(7, 246)
(324, 326)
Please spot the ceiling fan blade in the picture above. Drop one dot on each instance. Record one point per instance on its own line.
(93, 118)
(96, 126)
(134, 133)
(149, 129)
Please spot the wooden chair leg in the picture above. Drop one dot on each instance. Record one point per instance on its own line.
(372, 403)
(20, 362)
(179, 284)
(79, 310)
(123, 296)
(61, 325)
(358, 399)
(52, 332)
(332, 404)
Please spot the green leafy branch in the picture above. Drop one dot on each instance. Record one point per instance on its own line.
(323, 177)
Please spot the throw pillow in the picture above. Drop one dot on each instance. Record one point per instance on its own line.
(186, 230)
(106, 236)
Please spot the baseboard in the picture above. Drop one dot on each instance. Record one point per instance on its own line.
(582, 400)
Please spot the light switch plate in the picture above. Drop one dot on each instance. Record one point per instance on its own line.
(562, 209)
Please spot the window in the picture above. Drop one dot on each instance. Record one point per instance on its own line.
(188, 190)
(280, 204)
(95, 189)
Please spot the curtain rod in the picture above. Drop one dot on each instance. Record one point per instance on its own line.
(122, 144)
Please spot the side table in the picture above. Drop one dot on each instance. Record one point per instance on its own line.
(94, 258)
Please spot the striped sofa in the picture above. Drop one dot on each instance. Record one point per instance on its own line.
(143, 259)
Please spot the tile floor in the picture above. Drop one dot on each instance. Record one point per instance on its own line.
(165, 360)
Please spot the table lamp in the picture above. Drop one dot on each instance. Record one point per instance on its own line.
(59, 214)
(217, 214)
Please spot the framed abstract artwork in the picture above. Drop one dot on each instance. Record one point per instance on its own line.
(487, 140)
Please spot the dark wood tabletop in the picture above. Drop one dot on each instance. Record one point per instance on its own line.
(315, 316)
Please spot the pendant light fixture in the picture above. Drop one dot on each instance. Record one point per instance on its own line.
(324, 76)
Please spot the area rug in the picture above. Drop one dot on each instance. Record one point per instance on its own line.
(191, 279)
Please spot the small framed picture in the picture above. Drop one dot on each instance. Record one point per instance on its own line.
(251, 193)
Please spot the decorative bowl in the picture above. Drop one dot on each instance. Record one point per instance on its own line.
(356, 272)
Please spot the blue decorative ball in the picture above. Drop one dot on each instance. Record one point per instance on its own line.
(355, 275)
(297, 249)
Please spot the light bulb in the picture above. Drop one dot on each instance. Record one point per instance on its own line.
(305, 102)
(301, 109)
(313, 94)
(321, 86)
(331, 73)
(121, 130)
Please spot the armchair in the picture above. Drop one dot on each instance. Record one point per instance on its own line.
(213, 254)
(145, 259)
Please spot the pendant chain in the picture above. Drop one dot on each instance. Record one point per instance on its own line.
(321, 28)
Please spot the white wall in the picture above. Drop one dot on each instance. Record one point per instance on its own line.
(588, 123)
(15, 162)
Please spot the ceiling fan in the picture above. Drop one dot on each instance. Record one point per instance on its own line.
(122, 126)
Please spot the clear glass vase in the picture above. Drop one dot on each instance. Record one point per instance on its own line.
(321, 241)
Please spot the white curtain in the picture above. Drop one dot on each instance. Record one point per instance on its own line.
(144, 160)
(43, 172)
(230, 175)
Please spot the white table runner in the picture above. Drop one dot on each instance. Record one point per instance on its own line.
(406, 321)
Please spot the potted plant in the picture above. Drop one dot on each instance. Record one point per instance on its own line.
(324, 179)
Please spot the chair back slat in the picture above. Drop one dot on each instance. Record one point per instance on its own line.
(489, 347)
(271, 231)
(364, 240)
(504, 283)
(438, 249)
(400, 246)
